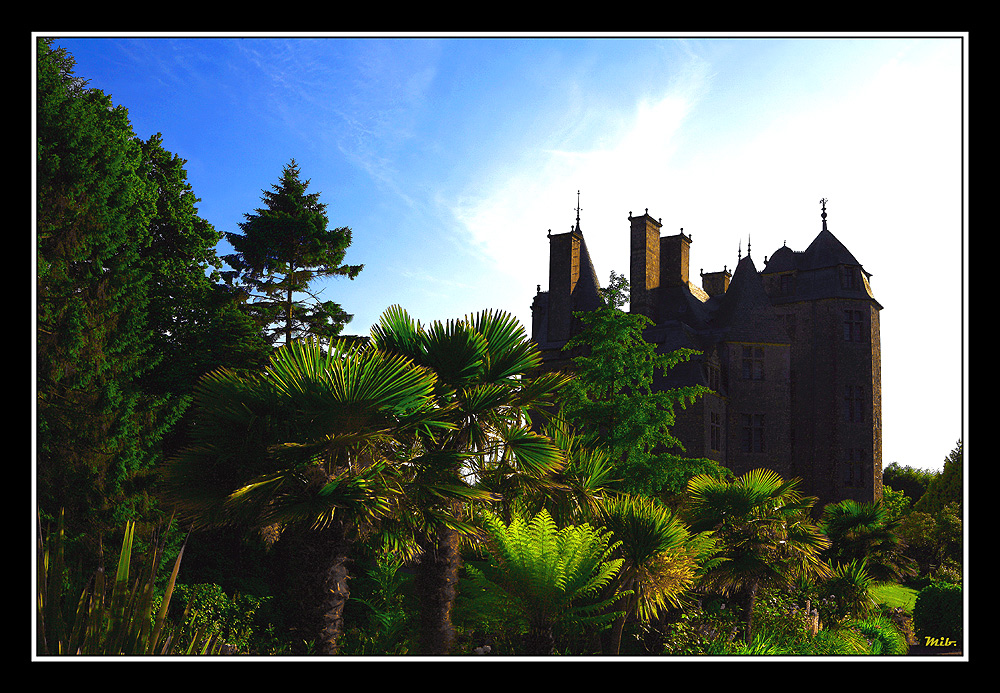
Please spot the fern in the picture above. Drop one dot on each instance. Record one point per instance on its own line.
(554, 575)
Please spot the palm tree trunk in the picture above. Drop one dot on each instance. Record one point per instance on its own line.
(619, 625)
(751, 600)
(436, 581)
(334, 594)
(317, 590)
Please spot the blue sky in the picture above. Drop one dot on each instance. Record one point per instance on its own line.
(451, 157)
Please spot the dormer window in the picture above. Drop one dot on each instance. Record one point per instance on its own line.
(849, 278)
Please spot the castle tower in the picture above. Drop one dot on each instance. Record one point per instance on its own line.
(830, 313)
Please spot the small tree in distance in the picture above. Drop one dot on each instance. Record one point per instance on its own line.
(284, 247)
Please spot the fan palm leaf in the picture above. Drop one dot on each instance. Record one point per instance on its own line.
(763, 529)
(306, 444)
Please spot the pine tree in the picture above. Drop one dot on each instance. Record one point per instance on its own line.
(284, 247)
(96, 428)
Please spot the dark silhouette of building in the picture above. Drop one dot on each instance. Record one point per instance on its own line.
(790, 352)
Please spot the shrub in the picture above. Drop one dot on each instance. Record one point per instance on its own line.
(207, 608)
(883, 636)
(938, 612)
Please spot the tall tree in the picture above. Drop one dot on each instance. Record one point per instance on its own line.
(196, 323)
(284, 247)
(946, 487)
(96, 429)
(487, 388)
(765, 536)
(300, 451)
(612, 396)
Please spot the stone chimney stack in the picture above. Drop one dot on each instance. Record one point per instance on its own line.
(716, 283)
(644, 266)
(674, 254)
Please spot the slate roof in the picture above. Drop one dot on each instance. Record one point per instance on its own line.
(826, 252)
(745, 313)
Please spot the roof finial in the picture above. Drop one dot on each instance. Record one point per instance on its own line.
(748, 245)
(823, 215)
(739, 251)
(578, 211)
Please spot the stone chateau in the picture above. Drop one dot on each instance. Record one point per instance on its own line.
(790, 351)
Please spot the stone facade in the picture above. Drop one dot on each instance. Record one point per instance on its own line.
(790, 352)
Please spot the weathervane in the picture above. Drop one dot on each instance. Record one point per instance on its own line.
(823, 202)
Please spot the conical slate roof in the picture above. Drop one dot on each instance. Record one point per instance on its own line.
(826, 251)
(745, 313)
(587, 293)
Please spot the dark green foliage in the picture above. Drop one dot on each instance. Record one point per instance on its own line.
(865, 532)
(945, 487)
(97, 430)
(208, 609)
(378, 612)
(911, 481)
(284, 247)
(612, 394)
(938, 612)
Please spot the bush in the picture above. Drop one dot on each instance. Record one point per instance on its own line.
(207, 607)
(938, 612)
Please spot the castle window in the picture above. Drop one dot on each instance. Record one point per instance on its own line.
(785, 284)
(849, 278)
(753, 363)
(715, 430)
(853, 468)
(714, 375)
(854, 403)
(789, 321)
(854, 322)
(753, 433)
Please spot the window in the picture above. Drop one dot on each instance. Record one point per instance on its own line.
(789, 321)
(854, 321)
(753, 433)
(714, 377)
(715, 430)
(854, 467)
(753, 363)
(849, 278)
(854, 404)
(786, 285)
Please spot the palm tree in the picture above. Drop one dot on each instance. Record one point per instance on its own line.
(661, 557)
(764, 532)
(864, 531)
(301, 451)
(553, 575)
(485, 384)
(571, 494)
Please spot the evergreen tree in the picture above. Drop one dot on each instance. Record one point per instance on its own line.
(946, 487)
(284, 247)
(95, 427)
(911, 481)
(611, 395)
(196, 323)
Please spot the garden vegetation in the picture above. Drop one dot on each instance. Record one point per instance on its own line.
(221, 472)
